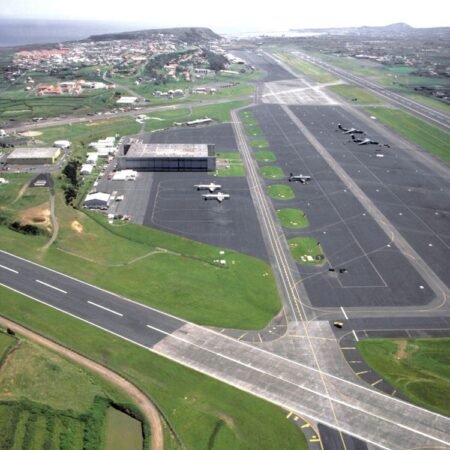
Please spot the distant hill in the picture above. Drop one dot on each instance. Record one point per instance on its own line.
(395, 29)
(185, 34)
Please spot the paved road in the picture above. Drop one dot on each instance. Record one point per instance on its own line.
(26, 125)
(345, 405)
(425, 112)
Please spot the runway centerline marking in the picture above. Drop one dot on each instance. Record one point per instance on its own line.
(51, 286)
(8, 268)
(105, 308)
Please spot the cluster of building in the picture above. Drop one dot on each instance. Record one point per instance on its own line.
(70, 87)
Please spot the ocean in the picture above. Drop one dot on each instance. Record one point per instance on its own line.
(15, 32)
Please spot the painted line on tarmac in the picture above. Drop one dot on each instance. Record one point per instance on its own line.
(8, 268)
(105, 308)
(51, 286)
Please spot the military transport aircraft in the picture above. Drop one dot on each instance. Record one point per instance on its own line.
(220, 197)
(302, 178)
(349, 130)
(211, 187)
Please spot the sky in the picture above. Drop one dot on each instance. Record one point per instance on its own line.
(237, 15)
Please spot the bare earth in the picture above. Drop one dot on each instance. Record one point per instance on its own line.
(144, 403)
(37, 215)
(31, 133)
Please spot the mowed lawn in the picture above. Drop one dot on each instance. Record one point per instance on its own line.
(205, 412)
(419, 368)
(160, 269)
(355, 94)
(429, 137)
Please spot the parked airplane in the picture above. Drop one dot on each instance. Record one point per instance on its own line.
(211, 187)
(302, 178)
(349, 130)
(364, 141)
(220, 197)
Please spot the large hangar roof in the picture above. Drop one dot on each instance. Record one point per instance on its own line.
(141, 150)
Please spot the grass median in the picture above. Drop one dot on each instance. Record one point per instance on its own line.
(429, 137)
(419, 368)
(280, 192)
(272, 172)
(306, 250)
(292, 218)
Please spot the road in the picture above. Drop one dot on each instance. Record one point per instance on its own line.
(27, 125)
(358, 411)
(425, 112)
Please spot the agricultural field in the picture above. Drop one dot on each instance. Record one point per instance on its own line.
(419, 368)
(68, 413)
(205, 412)
(306, 250)
(429, 137)
(19, 105)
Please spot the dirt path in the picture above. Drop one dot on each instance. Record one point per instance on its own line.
(147, 407)
(55, 224)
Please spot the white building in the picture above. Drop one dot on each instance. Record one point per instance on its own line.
(127, 100)
(91, 158)
(98, 200)
(86, 169)
(61, 144)
(125, 175)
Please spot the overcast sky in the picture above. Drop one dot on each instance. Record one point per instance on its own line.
(250, 15)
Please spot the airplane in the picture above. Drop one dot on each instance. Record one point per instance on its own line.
(220, 197)
(211, 186)
(349, 130)
(302, 178)
(364, 141)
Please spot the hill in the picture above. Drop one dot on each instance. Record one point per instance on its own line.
(185, 34)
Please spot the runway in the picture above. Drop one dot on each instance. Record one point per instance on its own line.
(436, 117)
(298, 387)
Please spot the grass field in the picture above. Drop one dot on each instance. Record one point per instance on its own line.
(231, 164)
(219, 112)
(432, 102)
(195, 404)
(265, 156)
(280, 192)
(305, 248)
(248, 118)
(259, 143)
(429, 137)
(292, 218)
(272, 172)
(122, 431)
(419, 368)
(15, 105)
(253, 131)
(304, 68)
(351, 92)
(47, 401)
(91, 249)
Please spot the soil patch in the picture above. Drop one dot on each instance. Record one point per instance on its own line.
(31, 133)
(37, 215)
(76, 226)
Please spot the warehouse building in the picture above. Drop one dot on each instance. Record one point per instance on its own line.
(34, 156)
(168, 157)
(97, 200)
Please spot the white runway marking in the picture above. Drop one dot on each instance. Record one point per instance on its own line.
(356, 337)
(50, 286)
(343, 312)
(7, 268)
(105, 308)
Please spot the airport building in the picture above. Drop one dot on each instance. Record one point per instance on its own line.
(34, 156)
(168, 157)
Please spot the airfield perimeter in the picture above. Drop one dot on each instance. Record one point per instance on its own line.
(304, 370)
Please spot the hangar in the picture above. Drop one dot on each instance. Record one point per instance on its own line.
(33, 156)
(97, 200)
(168, 157)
